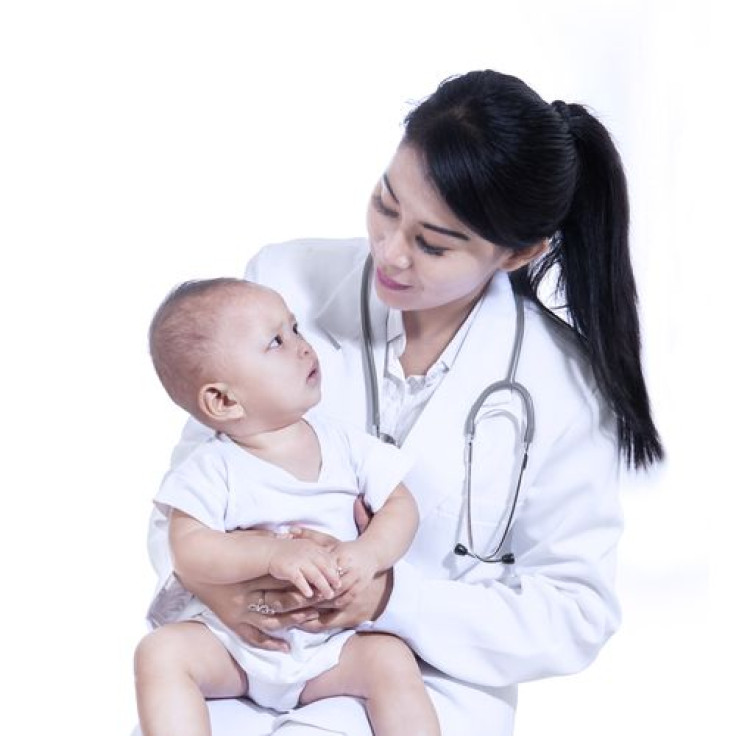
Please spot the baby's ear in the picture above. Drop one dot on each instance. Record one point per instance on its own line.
(217, 402)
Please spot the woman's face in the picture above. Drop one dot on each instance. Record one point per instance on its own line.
(424, 257)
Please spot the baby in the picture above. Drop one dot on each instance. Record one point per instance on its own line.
(230, 353)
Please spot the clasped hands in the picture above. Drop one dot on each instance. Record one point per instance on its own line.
(315, 582)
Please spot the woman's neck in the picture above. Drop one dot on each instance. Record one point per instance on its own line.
(430, 331)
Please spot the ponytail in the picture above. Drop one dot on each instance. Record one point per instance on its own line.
(517, 170)
(595, 279)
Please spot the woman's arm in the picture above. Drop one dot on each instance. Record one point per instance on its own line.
(237, 604)
(234, 603)
(549, 613)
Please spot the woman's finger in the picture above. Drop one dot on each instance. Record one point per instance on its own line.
(328, 619)
(354, 607)
(286, 599)
(256, 637)
(348, 581)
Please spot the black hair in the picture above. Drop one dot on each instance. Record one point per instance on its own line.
(517, 170)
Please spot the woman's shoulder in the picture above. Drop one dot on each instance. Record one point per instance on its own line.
(308, 259)
(306, 272)
(568, 405)
(559, 359)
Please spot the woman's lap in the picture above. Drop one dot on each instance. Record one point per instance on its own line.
(463, 711)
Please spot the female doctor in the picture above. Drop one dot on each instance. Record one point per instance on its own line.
(511, 575)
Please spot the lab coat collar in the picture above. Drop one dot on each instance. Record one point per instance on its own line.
(339, 322)
(483, 359)
(396, 340)
(339, 318)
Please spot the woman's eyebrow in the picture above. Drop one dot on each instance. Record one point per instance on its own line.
(429, 226)
(445, 231)
(388, 186)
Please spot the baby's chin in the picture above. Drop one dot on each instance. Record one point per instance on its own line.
(316, 400)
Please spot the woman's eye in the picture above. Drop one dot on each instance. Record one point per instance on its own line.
(431, 250)
(277, 342)
(381, 208)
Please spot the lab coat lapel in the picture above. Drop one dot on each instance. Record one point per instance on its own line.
(437, 438)
(339, 323)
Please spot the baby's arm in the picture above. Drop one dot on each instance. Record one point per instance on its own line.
(205, 555)
(384, 541)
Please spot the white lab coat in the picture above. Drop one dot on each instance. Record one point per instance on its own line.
(480, 628)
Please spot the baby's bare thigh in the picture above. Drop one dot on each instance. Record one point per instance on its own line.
(190, 648)
(368, 663)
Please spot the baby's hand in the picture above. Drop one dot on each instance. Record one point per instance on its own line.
(307, 565)
(358, 565)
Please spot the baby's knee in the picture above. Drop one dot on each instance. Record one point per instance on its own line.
(157, 651)
(388, 655)
(146, 653)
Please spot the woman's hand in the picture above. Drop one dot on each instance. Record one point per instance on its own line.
(256, 609)
(310, 567)
(363, 602)
(355, 606)
(352, 608)
(358, 564)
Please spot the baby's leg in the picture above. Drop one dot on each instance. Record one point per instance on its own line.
(176, 667)
(381, 669)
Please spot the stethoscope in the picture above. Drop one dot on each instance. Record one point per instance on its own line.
(507, 384)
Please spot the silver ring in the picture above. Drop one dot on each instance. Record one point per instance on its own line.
(261, 607)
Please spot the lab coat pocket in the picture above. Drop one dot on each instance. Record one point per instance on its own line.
(491, 475)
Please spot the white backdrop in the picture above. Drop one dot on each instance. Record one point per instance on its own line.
(144, 143)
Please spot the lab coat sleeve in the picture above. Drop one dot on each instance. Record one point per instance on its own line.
(550, 612)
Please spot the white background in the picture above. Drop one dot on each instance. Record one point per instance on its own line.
(143, 143)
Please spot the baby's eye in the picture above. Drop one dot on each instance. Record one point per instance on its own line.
(277, 342)
(296, 329)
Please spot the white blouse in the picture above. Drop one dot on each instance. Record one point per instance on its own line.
(403, 398)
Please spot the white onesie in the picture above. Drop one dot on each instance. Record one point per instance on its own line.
(225, 487)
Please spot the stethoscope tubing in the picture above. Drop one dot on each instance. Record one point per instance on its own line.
(509, 383)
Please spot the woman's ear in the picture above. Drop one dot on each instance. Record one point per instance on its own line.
(519, 257)
(217, 402)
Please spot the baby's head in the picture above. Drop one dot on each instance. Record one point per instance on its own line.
(228, 351)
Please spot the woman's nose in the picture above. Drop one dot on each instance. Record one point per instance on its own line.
(395, 250)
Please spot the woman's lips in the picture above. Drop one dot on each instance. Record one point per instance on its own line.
(389, 283)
